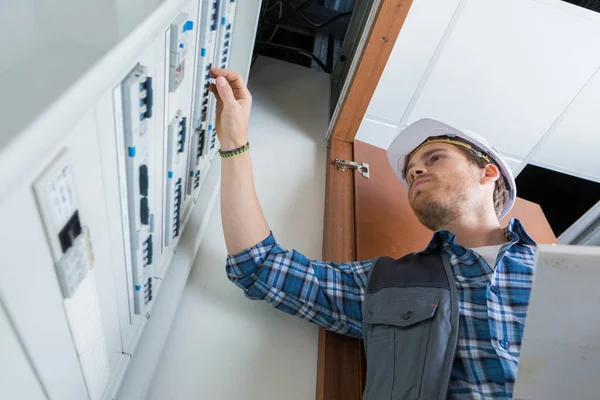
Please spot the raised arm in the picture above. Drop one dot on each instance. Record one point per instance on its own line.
(244, 224)
(327, 294)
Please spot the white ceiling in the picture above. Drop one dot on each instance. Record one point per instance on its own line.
(506, 70)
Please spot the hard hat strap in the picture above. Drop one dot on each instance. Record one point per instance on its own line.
(449, 140)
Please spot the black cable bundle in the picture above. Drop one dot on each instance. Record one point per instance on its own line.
(268, 24)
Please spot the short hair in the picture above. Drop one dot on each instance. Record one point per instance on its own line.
(500, 186)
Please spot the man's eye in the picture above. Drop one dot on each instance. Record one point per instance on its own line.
(435, 158)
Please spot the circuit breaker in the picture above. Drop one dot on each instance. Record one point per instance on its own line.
(181, 28)
(221, 58)
(227, 16)
(173, 206)
(193, 181)
(211, 132)
(137, 100)
(202, 103)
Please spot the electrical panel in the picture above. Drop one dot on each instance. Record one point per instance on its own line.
(202, 101)
(137, 100)
(224, 35)
(71, 249)
(148, 141)
(69, 240)
(206, 43)
(181, 28)
(173, 205)
(193, 181)
(211, 135)
(227, 12)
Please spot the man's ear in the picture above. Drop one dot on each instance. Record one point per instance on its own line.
(490, 173)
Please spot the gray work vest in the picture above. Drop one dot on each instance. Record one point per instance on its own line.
(410, 327)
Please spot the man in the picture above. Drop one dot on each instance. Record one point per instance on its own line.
(445, 322)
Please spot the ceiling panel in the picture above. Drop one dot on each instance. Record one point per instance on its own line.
(508, 70)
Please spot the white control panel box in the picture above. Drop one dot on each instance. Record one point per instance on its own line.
(193, 181)
(174, 196)
(181, 29)
(225, 32)
(211, 130)
(202, 103)
(207, 35)
(137, 100)
(71, 249)
(69, 241)
(221, 59)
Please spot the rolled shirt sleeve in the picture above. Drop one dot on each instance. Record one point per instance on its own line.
(325, 293)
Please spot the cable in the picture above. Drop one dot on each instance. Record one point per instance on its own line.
(273, 34)
(305, 5)
(279, 3)
(280, 14)
(302, 7)
(341, 15)
(298, 51)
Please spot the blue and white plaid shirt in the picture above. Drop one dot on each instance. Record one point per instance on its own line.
(492, 302)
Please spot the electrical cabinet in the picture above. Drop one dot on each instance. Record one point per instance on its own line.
(71, 247)
(113, 194)
(57, 279)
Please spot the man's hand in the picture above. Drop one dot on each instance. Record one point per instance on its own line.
(233, 108)
(244, 224)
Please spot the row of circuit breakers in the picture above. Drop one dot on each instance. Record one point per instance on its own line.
(70, 242)
(138, 166)
(214, 37)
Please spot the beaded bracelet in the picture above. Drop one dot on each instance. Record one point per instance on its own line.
(235, 152)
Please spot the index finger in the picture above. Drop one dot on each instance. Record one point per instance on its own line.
(235, 81)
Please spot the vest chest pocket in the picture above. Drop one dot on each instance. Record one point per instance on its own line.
(396, 337)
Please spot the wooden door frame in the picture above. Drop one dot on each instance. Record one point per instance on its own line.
(340, 366)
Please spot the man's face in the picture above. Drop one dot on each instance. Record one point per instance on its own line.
(443, 184)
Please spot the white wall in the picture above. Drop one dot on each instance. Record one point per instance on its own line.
(223, 346)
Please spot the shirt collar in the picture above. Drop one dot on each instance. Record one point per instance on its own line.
(517, 233)
(515, 229)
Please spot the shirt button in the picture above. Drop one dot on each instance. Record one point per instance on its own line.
(495, 289)
(504, 344)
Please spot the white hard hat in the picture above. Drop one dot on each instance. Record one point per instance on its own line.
(428, 130)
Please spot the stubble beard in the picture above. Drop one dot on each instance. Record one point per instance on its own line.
(439, 208)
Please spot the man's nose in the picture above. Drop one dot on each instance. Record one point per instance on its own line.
(414, 174)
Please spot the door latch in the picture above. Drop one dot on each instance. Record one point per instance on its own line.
(363, 168)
